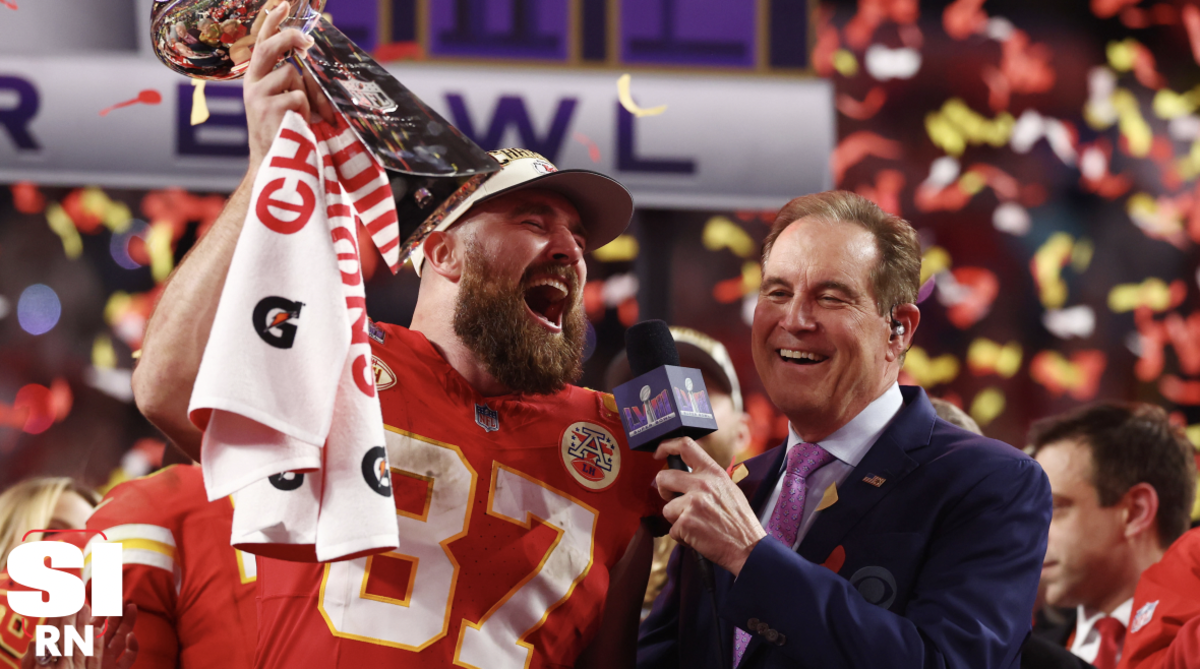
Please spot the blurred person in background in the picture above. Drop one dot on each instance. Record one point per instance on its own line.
(1164, 632)
(699, 351)
(954, 415)
(52, 503)
(194, 592)
(1123, 482)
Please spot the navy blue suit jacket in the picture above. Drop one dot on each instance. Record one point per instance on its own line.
(931, 555)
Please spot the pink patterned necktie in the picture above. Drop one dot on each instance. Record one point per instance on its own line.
(784, 524)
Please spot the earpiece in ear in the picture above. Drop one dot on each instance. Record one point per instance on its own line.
(897, 329)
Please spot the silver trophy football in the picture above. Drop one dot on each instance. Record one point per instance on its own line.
(428, 160)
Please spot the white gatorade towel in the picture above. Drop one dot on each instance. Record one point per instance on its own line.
(286, 391)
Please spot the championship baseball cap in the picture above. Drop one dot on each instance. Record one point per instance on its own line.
(696, 350)
(604, 205)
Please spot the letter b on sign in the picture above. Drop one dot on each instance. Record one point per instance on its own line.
(27, 566)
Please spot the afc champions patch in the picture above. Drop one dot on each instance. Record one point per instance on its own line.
(376, 472)
(592, 455)
(384, 376)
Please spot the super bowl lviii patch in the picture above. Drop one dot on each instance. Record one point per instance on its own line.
(591, 454)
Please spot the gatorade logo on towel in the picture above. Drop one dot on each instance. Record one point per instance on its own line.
(274, 320)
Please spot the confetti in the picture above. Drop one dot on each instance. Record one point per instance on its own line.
(985, 356)
(158, 246)
(64, 227)
(1079, 376)
(38, 309)
(845, 63)
(199, 102)
(1180, 391)
(104, 356)
(1012, 218)
(1026, 66)
(8, 3)
(935, 259)
(722, 233)
(956, 125)
(963, 18)
(626, 98)
(868, 107)
(1191, 22)
(968, 293)
(884, 63)
(593, 150)
(622, 249)
(1046, 267)
(27, 199)
(1159, 218)
(148, 96)
(886, 191)
(1153, 294)
(928, 372)
(856, 147)
(987, 405)
(1078, 321)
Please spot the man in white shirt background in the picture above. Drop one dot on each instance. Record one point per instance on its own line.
(1123, 483)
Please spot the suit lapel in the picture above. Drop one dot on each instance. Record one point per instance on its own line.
(879, 472)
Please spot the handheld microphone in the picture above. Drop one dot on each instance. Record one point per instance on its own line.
(663, 401)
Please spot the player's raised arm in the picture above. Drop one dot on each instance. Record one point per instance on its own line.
(179, 328)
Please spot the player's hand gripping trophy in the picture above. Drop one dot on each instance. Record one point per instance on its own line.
(427, 159)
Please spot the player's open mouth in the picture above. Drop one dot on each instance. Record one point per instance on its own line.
(801, 357)
(546, 298)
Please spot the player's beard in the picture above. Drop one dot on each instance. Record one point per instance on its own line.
(491, 318)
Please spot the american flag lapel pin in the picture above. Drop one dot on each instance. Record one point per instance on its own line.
(874, 479)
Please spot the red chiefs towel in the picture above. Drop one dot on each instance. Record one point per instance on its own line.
(286, 391)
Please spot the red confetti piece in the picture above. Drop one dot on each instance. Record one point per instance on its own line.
(861, 111)
(147, 97)
(886, 191)
(1191, 21)
(980, 288)
(1107, 9)
(88, 222)
(827, 44)
(27, 198)
(10, 5)
(35, 400)
(963, 18)
(593, 150)
(1180, 391)
(856, 147)
(1025, 65)
(1144, 68)
(1079, 376)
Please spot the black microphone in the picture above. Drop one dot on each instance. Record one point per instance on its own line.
(685, 412)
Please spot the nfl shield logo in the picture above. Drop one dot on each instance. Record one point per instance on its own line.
(486, 418)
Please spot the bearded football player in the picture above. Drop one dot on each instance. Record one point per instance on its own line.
(518, 501)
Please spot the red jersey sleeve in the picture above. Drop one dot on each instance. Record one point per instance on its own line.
(1164, 629)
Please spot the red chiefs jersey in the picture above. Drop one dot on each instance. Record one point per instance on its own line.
(1164, 627)
(194, 592)
(512, 510)
(16, 631)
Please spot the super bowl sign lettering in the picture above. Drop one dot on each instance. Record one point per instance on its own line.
(36, 565)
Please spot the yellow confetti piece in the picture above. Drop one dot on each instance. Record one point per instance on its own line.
(985, 356)
(1153, 293)
(1193, 435)
(972, 182)
(987, 405)
(740, 472)
(1081, 255)
(118, 303)
(158, 246)
(62, 225)
(136, 355)
(622, 249)
(956, 125)
(1121, 55)
(626, 98)
(845, 63)
(751, 277)
(1168, 104)
(1048, 262)
(104, 356)
(936, 259)
(721, 233)
(929, 372)
(1131, 124)
(199, 102)
(828, 499)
